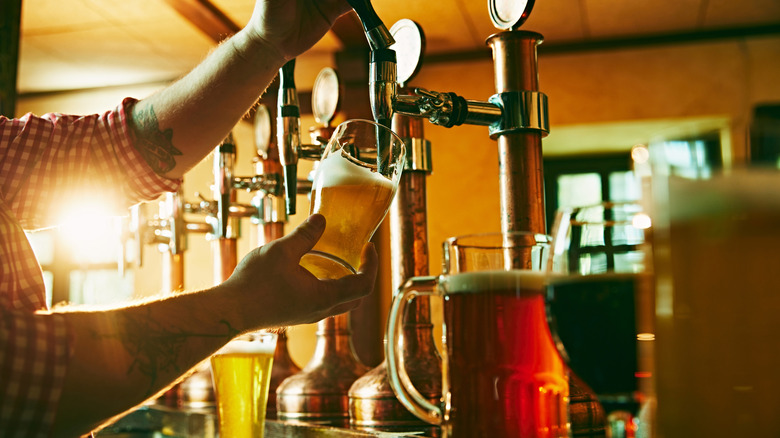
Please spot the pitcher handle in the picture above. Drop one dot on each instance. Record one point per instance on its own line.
(402, 385)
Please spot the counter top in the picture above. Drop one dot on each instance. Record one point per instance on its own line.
(158, 421)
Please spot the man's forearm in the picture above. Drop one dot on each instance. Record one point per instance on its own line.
(124, 356)
(176, 127)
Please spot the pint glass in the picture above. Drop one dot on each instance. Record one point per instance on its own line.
(502, 375)
(717, 305)
(354, 185)
(599, 303)
(241, 372)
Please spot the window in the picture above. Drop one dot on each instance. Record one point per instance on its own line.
(586, 180)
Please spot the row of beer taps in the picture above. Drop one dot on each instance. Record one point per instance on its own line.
(335, 387)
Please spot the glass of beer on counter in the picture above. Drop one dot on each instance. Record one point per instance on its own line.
(242, 371)
(599, 297)
(718, 304)
(354, 185)
(502, 374)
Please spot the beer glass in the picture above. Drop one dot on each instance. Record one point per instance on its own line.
(242, 371)
(354, 185)
(599, 298)
(718, 299)
(502, 375)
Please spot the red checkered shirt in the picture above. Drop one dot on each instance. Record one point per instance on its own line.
(45, 162)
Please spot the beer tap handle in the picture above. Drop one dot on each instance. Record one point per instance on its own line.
(224, 163)
(376, 33)
(288, 131)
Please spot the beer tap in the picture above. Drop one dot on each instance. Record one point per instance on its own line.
(378, 36)
(289, 132)
(224, 163)
(168, 229)
(383, 66)
(269, 203)
(226, 226)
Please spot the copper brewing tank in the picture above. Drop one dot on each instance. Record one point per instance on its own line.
(319, 392)
(521, 180)
(372, 403)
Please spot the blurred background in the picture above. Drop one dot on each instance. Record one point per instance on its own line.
(697, 74)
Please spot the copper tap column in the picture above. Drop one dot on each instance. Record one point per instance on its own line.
(373, 404)
(521, 175)
(226, 228)
(173, 257)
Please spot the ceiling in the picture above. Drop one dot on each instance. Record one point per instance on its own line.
(77, 44)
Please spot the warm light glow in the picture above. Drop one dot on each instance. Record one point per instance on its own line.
(640, 154)
(642, 221)
(90, 233)
(643, 374)
(645, 337)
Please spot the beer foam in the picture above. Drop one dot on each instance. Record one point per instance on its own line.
(337, 170)
(741, 191)
(242, 346)
(495, 280)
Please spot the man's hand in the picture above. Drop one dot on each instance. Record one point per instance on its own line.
(276, 291)
(293, 26)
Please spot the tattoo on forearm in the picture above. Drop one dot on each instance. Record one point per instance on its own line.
(155, 146)
(157, 349)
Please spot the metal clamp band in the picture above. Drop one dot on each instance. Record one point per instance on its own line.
(521, 111)
(418, 154)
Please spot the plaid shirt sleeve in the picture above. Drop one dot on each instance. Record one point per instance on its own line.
(45, 163)
(49, 162)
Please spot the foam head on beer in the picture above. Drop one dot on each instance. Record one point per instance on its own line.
(246, 346)
(496, 280)
(337, 170)
(354, 200)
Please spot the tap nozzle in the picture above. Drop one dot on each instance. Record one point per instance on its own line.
(288, 131)
(383, 74)
(224, 165)
(377, 34)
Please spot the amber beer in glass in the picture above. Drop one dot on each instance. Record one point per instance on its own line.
(717, 305)
(242, 373)
(503, 375)
(354, 185)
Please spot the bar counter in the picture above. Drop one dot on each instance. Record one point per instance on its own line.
(157, 421)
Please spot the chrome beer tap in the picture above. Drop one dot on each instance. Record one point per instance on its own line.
(224, 164)
(289, 132)
(516, 115)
